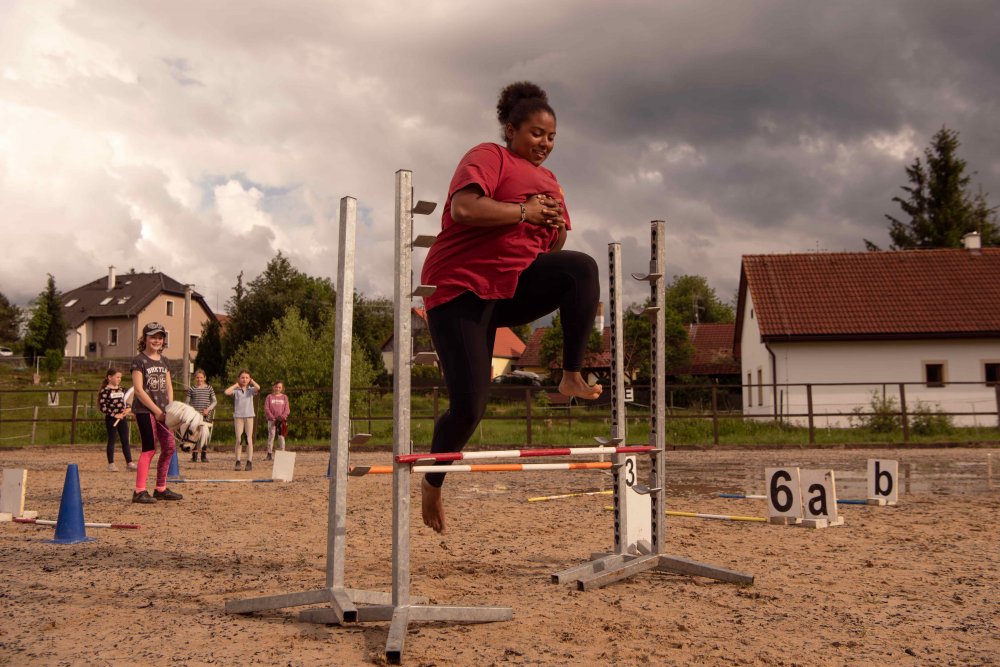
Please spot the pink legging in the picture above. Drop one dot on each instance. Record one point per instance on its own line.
(148, 429)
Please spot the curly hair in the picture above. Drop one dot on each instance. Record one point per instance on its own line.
(517, 102)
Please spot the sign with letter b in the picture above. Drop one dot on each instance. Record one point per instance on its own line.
(883, 482)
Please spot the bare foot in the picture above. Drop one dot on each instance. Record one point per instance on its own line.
(573, 384)
(432, 506)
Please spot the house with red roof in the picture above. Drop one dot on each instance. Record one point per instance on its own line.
(595, 364)
(506, 349)
(927, 318)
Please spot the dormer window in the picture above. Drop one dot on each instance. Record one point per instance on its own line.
(70, 303)
(124, 299)
(106, 300)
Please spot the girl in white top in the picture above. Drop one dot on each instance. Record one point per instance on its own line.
(243, 393)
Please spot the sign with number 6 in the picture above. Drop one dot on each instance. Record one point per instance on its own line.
(784, 495)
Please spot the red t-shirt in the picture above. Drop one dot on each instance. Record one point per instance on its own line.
(488, 260)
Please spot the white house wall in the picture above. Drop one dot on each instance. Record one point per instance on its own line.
(882, 366)
(754, 363)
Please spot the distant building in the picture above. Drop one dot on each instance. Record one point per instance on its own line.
(713, 353)
(930, 318)
(506, 349)
(105, 317)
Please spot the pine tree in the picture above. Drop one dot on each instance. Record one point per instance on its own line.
(209, 358)
(9, 319)
(47, 327)
(939, 209)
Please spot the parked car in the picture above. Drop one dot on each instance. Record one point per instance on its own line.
(6, 352)
(524, 378)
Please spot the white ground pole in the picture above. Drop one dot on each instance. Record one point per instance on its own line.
(341, 600)
(624, 563)
(404, 609)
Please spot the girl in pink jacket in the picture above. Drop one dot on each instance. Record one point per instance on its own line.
(276, 410)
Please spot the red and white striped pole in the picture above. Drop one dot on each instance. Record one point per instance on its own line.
(358, 471)
(49, 522)
(524, 453)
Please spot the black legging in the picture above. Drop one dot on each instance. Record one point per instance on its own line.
(464, 330)
(122, 431)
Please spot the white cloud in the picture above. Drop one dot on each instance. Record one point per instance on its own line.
(202, 138)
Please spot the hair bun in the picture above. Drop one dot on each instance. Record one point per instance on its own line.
(518, 101)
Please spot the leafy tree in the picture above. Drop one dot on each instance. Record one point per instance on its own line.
(253, 309)
(693, 301)
(636, 343)
(47, 327)
(552, 342)
(372, 327)
(51, 362)
(522, 331)
(209, 357)
(293, 351)
(10, 317)
(939, 209)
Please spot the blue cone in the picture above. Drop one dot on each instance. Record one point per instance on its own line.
(174, 471)
(70, 528)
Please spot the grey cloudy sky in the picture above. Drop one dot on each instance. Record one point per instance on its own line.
(201, 138)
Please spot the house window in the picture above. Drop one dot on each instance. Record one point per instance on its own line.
(749, 389)
(166, 339)
(112, 336)
(760, 387)
(991, 370)
(194, 343)
(934, 374)
(71, 302)
(106, 300)
(751, 313)
(170, 308)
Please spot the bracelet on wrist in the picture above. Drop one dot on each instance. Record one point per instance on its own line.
(524, 213)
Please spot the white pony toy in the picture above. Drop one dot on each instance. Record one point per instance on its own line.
(188, 424)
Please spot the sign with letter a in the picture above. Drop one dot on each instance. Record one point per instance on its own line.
(819, 499)
(883, 482)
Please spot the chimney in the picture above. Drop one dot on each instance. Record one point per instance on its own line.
(599, 319)
(972, 241)
(111, 278)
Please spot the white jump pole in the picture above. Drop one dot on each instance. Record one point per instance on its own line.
(624, 562)
(404, 611)
(522, 453)
(341, 601)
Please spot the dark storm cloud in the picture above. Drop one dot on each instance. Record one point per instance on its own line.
(766, 126)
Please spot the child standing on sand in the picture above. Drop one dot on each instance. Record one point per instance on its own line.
(276, 410)
(243, 415)
(153, 390)
(201, 397)
(111, 401)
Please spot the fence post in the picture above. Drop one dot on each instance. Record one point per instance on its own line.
(72, 428)
(809, 409)
(997, 387)
(434, 396)
(371, 390)
(527, 409)
(902, 412)
(715, 414)
(34, 425)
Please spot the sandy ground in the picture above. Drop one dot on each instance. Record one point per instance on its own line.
(914, 584)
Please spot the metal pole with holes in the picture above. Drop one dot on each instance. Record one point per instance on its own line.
(341, 601)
